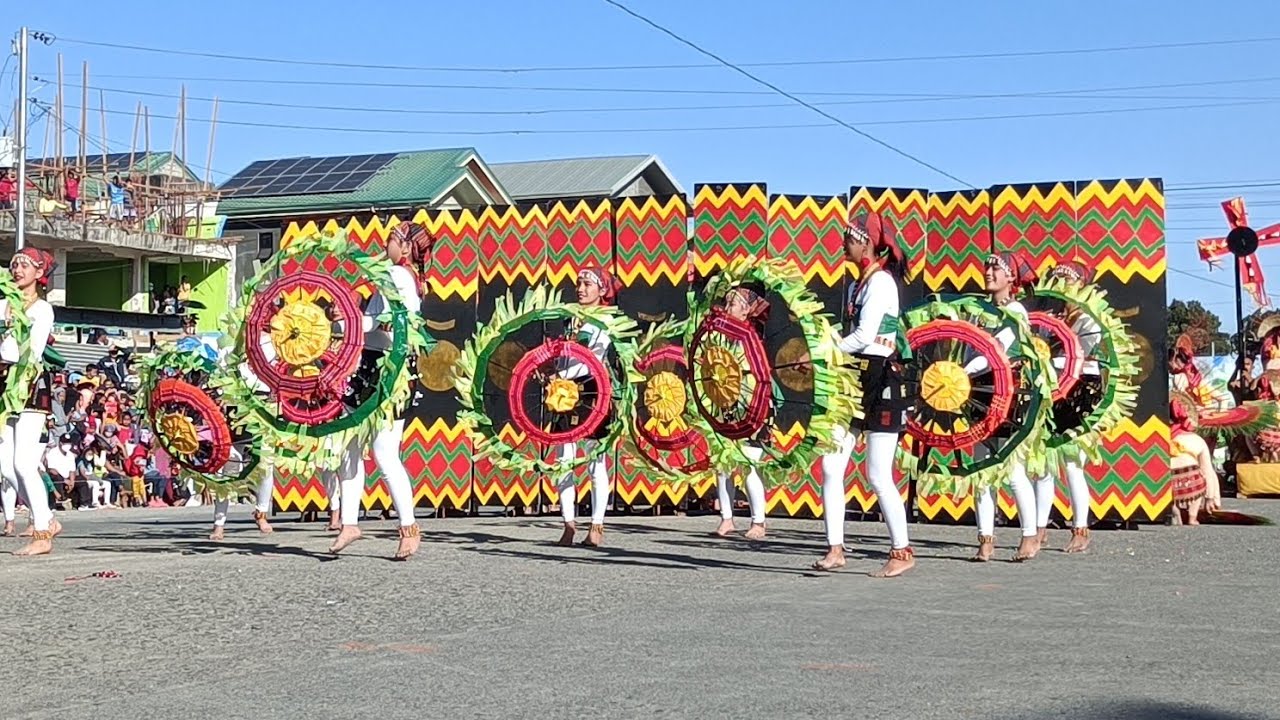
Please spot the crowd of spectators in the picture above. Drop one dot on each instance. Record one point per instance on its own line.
(121, 202)
(99, 454)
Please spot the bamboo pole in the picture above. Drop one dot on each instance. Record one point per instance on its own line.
(61, 112)
(213, 130)
(133, 143)
(102, 110)
(82, 162)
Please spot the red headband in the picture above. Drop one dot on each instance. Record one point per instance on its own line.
(420, 241)
(878, 231)
(1018, 268)
(1184, 417)
(1072, 270)
(603, 280)
(43, 262)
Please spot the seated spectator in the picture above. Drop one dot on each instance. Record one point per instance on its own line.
(89, 462)
(91, 378)
(113, 463)
(60, 464)
(114, 366)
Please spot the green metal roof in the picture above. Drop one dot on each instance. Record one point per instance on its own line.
(412, 178)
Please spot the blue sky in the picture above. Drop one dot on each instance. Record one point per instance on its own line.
(1222, 142)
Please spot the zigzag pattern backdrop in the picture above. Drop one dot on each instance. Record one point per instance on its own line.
(513, 258)
(576, 237)
(1116, 226)
(652, 263)
(1121, 224)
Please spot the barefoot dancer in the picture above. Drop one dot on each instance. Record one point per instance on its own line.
(1007, 275)
(409, 250)
(1068, 413)
(595, 287)
(261, 501)
(755, 498)
(20, 446)
(874, 319)
(1195, 482)
(746, 303)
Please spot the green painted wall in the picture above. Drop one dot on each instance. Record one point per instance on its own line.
(103, 284)
(208, 287)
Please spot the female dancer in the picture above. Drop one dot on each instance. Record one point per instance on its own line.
(409, 250)
(261, 500)
(20, 446)
(746, 304)
(1195, 482)
(874, 316)
(596, 287)
(1007, 275)
(1067, 414)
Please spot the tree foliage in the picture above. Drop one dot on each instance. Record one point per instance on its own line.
(1189, 315)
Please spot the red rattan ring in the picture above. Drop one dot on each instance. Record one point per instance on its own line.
(524, 371)
(324, 390)
(681, 440)
(1002, 375)
(760, 404)
(1044, 323)
(175, 391)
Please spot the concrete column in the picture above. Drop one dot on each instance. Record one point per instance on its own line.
(58, 283)
(137, 301)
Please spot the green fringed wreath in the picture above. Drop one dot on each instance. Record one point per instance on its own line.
(21, 375)
(834, 394)
(1117, 358)
(481, 394)
(667, 432)
(185, 386)
(303, 447)
(942, 437)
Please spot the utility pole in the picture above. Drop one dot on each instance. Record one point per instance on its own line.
(20, 240)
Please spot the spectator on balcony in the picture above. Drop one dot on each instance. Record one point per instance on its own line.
(184, 293)
(131, 198)
(117, 194)
(8, 190)
(71, 188)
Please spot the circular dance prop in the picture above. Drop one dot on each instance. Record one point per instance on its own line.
(1055, 338)
(979, 406)
(667, 432)
(183, 404)
(326, 334)
(16, 379)
(555, 393)
(777, 380)
(1104, 391)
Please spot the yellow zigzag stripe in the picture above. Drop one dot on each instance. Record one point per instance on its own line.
(639, 212)
(651, 276)
(1125, 273)
(935, 277)
(960, 202)
(1142, 433)
(730, 196)
(914, 200)
(1010, 196)
(1146, 189)
(782, 205)
(807, 500)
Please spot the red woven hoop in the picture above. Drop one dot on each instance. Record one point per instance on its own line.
(686, 451)
(1001, 371)
(524, 371)
(681, 440)
(757, 410)
(174, 391)
(317, 398)
(1043, 323)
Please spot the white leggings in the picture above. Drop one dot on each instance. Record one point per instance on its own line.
(881, 447)
(1078, 487)
(1023, 495)
(753, 484)
(20, 451)
(261, 503)
(567, 487)
(386, 452)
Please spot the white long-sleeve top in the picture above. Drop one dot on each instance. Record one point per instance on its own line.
(41, 316)
(875, 309)
(597, 341)
(1006, 337)
(407, 286)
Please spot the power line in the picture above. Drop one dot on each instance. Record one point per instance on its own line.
(784, 93)
(671, 108)
(1198, 277)
(697, 129)
(681, 66)
(665, 90)
(1259, 184)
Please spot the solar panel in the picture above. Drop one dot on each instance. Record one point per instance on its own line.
(305, 175)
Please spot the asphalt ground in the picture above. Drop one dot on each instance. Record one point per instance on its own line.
(492, 620)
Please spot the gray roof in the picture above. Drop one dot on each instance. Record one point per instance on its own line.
(575, 177)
